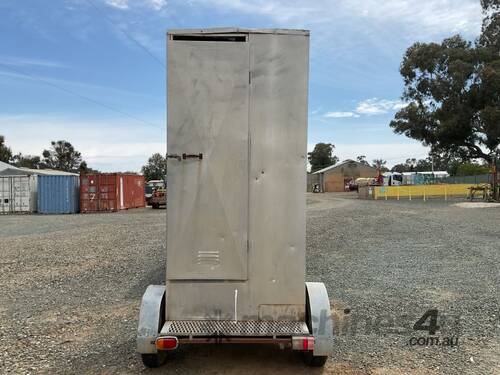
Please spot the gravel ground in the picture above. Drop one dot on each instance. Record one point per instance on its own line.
(71, 288)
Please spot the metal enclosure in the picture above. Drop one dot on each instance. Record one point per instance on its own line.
(237, 138)
(58, 194)
(18, 194)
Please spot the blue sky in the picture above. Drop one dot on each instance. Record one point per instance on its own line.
(356, 49)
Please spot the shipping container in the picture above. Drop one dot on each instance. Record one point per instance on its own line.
(111, 192)
(18, 194)
(58, 194)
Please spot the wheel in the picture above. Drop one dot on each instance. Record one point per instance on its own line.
(154, 205)
(154, 360)
(314, 360)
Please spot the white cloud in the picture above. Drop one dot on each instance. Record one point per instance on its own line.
(26, 61)
(110, 145)
(120, 4)
(376, 106)
(340, 114)
(427, 17)
(126, 4)
(369, 107)
(431, 16)
(158, 4)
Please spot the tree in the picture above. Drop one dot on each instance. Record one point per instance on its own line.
(156, 168)
(5, 152)
(85, 169)
(362, 159)
(322, 156)
(410, 165)
(380, 165)
(472, 169)
(399, 168)
(453, 93)
(63, 156)
(26, 161)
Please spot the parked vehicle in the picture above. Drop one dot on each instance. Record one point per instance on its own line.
(393, 179)
(159, 197)
(150, 187)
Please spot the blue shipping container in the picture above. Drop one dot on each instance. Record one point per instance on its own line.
(58, 194)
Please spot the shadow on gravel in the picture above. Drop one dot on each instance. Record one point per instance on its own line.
(154, 276)
(238, 360)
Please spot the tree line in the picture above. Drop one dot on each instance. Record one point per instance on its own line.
(322, 156)
(61, 155)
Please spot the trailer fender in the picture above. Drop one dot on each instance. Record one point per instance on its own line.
(151, 318)
(319, 318)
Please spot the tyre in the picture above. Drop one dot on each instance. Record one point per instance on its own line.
(154, 205)
(314, 361)
(154, 360)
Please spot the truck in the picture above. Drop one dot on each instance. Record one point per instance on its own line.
(151, 185)
(158, 197)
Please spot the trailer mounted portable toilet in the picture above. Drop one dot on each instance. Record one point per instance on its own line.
(237, 133)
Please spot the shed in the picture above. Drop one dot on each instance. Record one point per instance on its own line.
(10, 170)
(335, 177)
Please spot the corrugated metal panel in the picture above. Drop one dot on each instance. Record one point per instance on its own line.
(58, 194)
(132, 191)
(18, 194)
(111, 192)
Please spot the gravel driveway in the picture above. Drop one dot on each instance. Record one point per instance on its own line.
(71, 288)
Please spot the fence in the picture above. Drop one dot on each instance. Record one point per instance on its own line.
(479, 179)
(421, 191)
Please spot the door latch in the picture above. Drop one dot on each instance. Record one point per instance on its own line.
(174, 156)
(192, 156)
(185, 156)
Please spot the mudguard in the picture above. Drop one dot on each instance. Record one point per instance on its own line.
(150, 318)
(319, 318)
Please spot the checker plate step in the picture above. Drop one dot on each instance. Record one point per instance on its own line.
(232, 328)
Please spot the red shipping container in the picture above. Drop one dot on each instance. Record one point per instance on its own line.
(111, 192)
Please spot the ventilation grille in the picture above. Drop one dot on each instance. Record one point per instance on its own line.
(211, 38)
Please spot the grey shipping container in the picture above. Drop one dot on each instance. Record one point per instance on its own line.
(58, 194)
(18, 194)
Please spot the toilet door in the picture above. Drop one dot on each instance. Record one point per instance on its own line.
(207, 174)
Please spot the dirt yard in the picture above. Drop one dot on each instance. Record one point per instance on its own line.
(71, 288)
